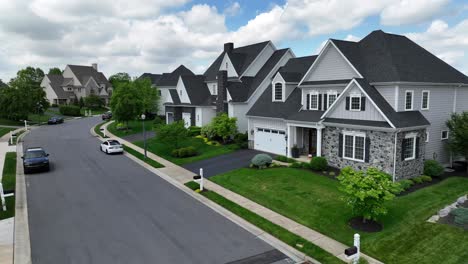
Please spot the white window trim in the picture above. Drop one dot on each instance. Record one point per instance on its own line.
(427, 137)
(335, 93)
(428, 99)
(442, 135)
(413, 136)
(167, 116)
(310, 100)
(351, 96)
(282, 92)
(412, 100)
(354, 134)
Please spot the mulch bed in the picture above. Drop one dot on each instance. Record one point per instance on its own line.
(369, 226)
(435, 180)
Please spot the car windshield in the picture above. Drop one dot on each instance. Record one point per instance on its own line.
(114, 143)
(34, 154)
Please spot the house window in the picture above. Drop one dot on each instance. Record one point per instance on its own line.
(354, 146)
(355, 102)
(409, 147)
(331, 98)
(425, 100)
(278, 92)
(314, 101)
(444, 135)
(409, 100)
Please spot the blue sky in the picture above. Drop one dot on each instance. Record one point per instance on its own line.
(158, 35)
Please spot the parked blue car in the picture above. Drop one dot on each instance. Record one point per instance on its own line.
(35, 159)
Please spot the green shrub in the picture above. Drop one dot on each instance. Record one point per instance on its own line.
(296, 165)
(262, 161)
(305, 165)
(175, 153)
(70, 110)
(461, 215)
(54, 105)
(207, 131)
(184, 152)
(281, 158)
(433, 168)
(158, 120)
(242, 140)
(194, 131)
(417, 180)
(426, 178)
(318, 163)
(406, 184)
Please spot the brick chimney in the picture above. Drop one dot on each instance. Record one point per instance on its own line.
(94, 65)
(222, 84)
(228, 47)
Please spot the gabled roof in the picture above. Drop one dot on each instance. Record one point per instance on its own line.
(85, 71)
(196, 88)
(240, 57)
(384, 57)
(56, 81)
(175, 96)
(170, 79)
(153, 77)
(295, 68)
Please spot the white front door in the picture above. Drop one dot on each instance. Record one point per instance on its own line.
(187, 117)
(169, 118)
(270, 140)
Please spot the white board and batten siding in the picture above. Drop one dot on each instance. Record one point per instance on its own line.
(388, 92)
(239, 111)
(260, 60)
(226, 65)
(204, 115)
(331, 65)
(182, 92)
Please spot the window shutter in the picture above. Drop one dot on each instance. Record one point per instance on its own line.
(403, 150)
(347, 102)
(366, 159)
(363, 103)
(308, 102)
(417, 148)
(325, 99)
(320, 102)
(340, 145)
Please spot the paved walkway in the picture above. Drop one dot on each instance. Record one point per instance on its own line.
(183, 176)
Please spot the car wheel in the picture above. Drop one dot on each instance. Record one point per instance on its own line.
(107, 151)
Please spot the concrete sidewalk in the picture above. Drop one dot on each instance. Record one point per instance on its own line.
(183, 176)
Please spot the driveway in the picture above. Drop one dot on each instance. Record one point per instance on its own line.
(224, 163)
(96, 208)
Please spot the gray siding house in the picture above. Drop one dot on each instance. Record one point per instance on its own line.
(381, 102)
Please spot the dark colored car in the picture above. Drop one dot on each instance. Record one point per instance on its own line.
(35, 159)
(106, 116)
(55, 120)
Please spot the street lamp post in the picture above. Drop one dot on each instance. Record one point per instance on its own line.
(144, 133)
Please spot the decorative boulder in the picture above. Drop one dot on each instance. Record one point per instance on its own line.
(262, 161)
(461, 200)
(444, 212)
(433, 219)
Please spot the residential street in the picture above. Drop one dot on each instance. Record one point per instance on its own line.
(95, 208)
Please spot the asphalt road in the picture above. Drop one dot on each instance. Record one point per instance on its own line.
(94, 208)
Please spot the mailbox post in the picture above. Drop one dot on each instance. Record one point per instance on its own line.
(199, 179)
(353, 253)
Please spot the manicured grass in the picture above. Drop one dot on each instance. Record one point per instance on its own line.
(134, 127)
(315, 201)
(204, 150)
(7, 122)
(97, 129)
(5, 130)
(269, 227)
(9, 171)
(9, 183)
(140, 156)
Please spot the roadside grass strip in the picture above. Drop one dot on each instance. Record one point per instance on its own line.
(9, 182)
(141, 157)
(97, 129)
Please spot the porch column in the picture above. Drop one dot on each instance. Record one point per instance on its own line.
(288, 143)
(319, 141)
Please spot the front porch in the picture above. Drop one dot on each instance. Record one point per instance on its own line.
(304, 141)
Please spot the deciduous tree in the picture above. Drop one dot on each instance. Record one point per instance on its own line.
(224, 126)
(55, 70)
(126, 103)
(121, 77)
(172, 133)
(458, 135)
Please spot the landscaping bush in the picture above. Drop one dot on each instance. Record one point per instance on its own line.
(158, 120)
(406, 184)
(69, 110)
(54, 105)
(305, 165)
(318, 163)
(296, 165)
(425, 178)
(261, 161)
(242, 140)
(120, 126)
(194, 131)
(207, 131)
(433, 168)
(184, 152)
(461, 215)
(417, 180)
(284, 159)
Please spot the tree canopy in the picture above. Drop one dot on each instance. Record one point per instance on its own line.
(172, 133)
(458, 136)
(55, 70)
(121, 77)
(93, 102)
(126, 102)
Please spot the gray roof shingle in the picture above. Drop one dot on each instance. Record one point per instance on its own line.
(56, 81)
(170, 79)
(295, 68)
(83, 73)
(175, 96)
(197, 90)
(153, 77)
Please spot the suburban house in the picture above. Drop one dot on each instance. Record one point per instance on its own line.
(231, 84)
(381, 102)
(166, 83)
(76, 82)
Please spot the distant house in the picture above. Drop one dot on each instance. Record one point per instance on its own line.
(166, 83)
(76, 82)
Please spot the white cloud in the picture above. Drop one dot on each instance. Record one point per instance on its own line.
(233, 9)
(411, 11)
(351, 37)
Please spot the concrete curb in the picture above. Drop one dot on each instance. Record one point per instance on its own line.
(22, 243)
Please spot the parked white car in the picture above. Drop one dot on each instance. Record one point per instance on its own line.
(111, 146)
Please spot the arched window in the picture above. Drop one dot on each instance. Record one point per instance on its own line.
(278, 94)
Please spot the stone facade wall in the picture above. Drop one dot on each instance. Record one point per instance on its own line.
(410, 168)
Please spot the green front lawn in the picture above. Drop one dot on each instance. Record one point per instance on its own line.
(134, 127)
(5, 130)
(204, 150)
(315, 201)
(97, 129)
(8, 122)
(141, 157)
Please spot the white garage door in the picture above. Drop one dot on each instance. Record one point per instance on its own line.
(270, 140)
(187, 117)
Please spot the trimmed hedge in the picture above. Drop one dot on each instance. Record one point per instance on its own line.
(406, 184)
(284, 159)
(318, 163)
(184, 152)
(70, 110)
